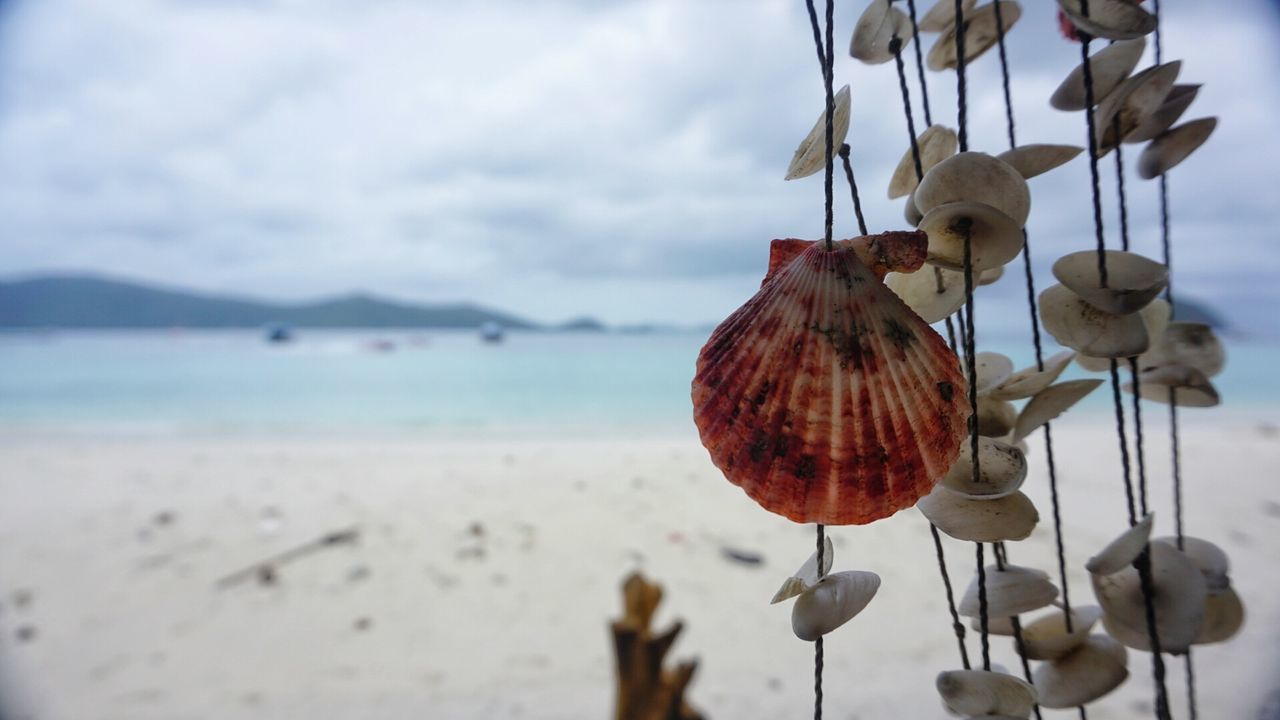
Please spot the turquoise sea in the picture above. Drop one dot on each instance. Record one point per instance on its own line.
(448, 382)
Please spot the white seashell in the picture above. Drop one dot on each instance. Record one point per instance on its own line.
(1033, 160)
(1191, 344)
(876, 28)
(1012, 517)
(1110, 19)
(990, 275)
(807, 576)
(1011, 591)
(1190, 387)
(937, 143)
(1131, 104)
(1174, 105)
(1212, 561)
(980, 33)
(1050, 403)
(911, 213)
(942, 15)
(1223, 617)
(995, 626)
(1047, 638)
(1155, 317)
(979, 178)
(811, 157)
(1121, 552)
(1029, 381)
(932, 292)
(832, 602)
(1178, 596)
(1132, 280)
(996, 417)
(1081, 326)
(994, 238)
(1002, 468)
(992, 368)
(1174, 146)
(985, 693)
(1109, 67)
(1095, 668)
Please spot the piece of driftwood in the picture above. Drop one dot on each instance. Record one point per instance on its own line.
(647, 691)
(266, 570)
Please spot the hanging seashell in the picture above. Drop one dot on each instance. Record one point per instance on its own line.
(886, 252)
(876, 28)
(1110, 19)
(985, 693)
(1011, 591)
(1002, 626)
(1190, 387)
(832, 602)
(1174, 146)
(1155, 316)
(990, 275)
(994, 238)
(1095, 668)
(1001, 470)
(911, 213)
(992, 368)
(1047, 638)
(1191, 344)
(1130, 104)
(807, 576)
(1209, 558)
(981, 32)
(1121, 552)
(1109, 67)
(1050, 403)
(1132, 280)
(811, 156)
(995, 417)
(1223, 617)
(942, 15)
(935, 144)
(1081, 326)
(825, 398)
(1012, 517)
(1178, 595)
(1029, 381)
(977, 178)
(1174, 105)
(1033, 160)
(932, 292)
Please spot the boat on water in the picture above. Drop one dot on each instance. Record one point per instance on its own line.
(492, 332)
(279, 333)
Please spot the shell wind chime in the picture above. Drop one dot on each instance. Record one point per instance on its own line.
(829, 398)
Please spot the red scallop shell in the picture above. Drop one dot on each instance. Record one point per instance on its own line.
(826, 398)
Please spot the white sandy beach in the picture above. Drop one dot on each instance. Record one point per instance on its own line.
(486, 572)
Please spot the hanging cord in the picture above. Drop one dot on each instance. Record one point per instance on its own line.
(853, 188)
(895, 47)
(924, 89)
(817, 644)
(956, 623)
(1002, 558)
(1004, 74)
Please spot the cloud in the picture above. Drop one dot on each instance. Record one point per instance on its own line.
(620, 159)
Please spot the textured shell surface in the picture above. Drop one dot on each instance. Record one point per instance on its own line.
(1031, 380)
(985, 693)
(1011, 517)
(1132, 103)
(1174, 146)
(1211, 559)
(834, 601)
(1109, 67)
(807, 576)
(932, 292)
(825, 398)
(995, 626)
(1110, 19)
(1093, 669)
(1033, 160)
(994, 238)
(1191, 344)
(1175, 104)
(1049, 403)
(1179, 595)
(1011, 590)
(1002, 468)
(1155, 318)
(1132, 280)
(935, 144)
(942, 15)
(992, 369)
(876, 28)
(995, 417)
(1122, 551)
(1186, 384)
(811, 157)
(1047, 637)
(979, 178)
(1080, 326)
(980, 34)
(1223, 617)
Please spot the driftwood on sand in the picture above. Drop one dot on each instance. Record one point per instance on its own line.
(265, 570)
(645, 690)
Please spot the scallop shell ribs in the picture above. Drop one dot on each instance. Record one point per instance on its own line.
(825, 397)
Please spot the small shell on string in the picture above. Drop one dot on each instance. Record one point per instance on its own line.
(1001, 470)
(1211, 559)
(942, 15)
(1011, 591)
(1132, 280)
(875, 30)
(1190, 387)
(932, 292)
(1047, 638)
(1178, 596)
(978, 178)
(992, 369)
(1033, 160)
(1050, 403)
(996, 418)
(1110, 19)
(1186, 343)
(1223, 617)
(1081, 326)
(994, 238)
(1093, 669)
(1174, 105)
(1012, 517)
(1029, 381)
(1002, 626)
(981, 32)
(1109, 67)
(810, 157)
(1174, 146)
(1155, 317)
(834, 601)
(1121, 552)
(935, 144)
(1130, 104)
(990, 275)
(985, 693)
(807, 576)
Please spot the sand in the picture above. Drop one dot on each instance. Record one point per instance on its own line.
(486, 571)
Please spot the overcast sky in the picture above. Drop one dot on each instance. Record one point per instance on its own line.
(555, 159)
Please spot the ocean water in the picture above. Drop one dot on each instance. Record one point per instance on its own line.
(447, 382)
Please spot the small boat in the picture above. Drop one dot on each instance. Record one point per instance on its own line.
(491, 332)
(279, 333)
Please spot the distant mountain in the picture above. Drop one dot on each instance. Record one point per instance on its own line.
(91, 302)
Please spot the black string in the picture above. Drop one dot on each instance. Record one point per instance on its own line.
(1124, 443)
(825, 62)
(1177, 466)
(1093, 150)
(817, 644)
(1002, 558)
(853, 188)
(895, 47)
(1191, 684)
(1004, 75)
(962, 101)
(984, 619)
(1120, 194)
(1138, 452)
(924, 88)
(1143, 565)
(956, 624)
